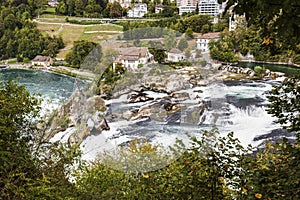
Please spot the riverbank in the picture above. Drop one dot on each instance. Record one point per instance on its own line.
(271, 63)
(78, 73)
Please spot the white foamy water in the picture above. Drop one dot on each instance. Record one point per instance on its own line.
(238, 107)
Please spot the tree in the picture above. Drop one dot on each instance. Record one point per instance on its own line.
(169, 39)
(189, 33)
(285, 104)
(223, 49)
(61, 8)
(115, 9)
(79, 52)
(206, 170)
(196, 22)
(159, 55)
(273, 17)
(183, 44)
(197, 8)
(30, 168)
(17, 109)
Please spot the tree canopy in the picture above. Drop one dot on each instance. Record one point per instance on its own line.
(80, 50)
(19, 36)
(278, 19)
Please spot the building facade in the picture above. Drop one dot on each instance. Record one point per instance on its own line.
(209, 7)
(138, 11)
(123, 3)
(175, 55)
(206, 7)
(132, 57)
(45, 61)
(204, 39)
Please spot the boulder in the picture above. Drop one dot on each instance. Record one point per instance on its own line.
(180, 96)
(138, 97)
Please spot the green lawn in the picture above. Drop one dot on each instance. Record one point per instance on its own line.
(49, 10)
(104, 27)
(71, 33)
(52, 16)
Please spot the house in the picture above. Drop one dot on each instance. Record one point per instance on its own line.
(138, 11)
(175, 55)
(203, 40)
(159, 8)
(45, 61)
(132, 57)
(53, 3)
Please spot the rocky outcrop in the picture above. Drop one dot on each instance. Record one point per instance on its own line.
(138, 97)
(85, 114)
(180, 96)
(238, 70)
(250, 72)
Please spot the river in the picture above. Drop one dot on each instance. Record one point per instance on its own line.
(53, 88)
(238, 106)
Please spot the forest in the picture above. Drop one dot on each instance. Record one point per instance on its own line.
(19, 37)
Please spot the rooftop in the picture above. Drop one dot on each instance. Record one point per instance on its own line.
(211, 35)
(40, 58)
(175, 51)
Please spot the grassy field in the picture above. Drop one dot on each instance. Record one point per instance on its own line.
(104, 27)
(71, 33)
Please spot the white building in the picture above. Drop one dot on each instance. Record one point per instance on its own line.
(175, 55)
(159, 8)
(203, 40)
(53, 3)
(206, 7)
(209, 7)
(236, 20)
(186, 9)
(131, 58)
(45, 61)
(123, 3)
(138, 11)
(186, 6)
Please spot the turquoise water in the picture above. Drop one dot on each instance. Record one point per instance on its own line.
(53, 88)
(288, 70)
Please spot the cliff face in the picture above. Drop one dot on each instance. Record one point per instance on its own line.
(84, 113)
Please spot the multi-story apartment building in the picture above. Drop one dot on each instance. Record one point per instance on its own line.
(206, 7)
(209, 7)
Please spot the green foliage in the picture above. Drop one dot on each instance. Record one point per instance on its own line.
(197, 23)
(272, 17)
(158, 54)
(203, 171)
(285, 104)
(169, 11)
(20, 38)
(223, 49)
(273, 173)
(80, 51)
(258, 70)
(30, 167)
(183, 44)
(169, 39)
(189, 33)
